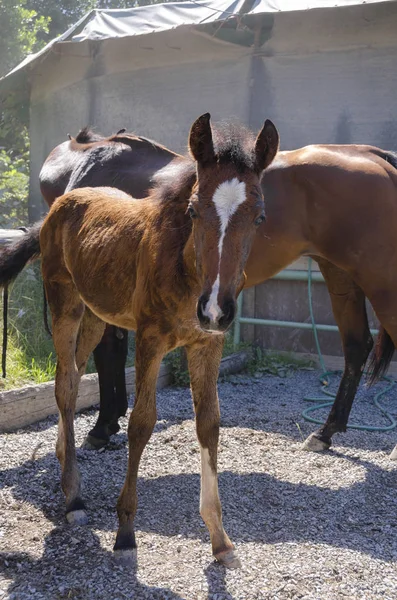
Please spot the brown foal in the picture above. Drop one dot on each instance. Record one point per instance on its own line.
(170, 267)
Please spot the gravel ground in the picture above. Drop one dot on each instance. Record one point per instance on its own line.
(306, 526)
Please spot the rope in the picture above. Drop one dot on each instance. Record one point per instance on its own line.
(325, 380)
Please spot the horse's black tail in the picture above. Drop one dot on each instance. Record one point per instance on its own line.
(390, 157)
(381, 357)
(14, 257)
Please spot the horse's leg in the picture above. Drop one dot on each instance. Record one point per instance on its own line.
(110, 357)
(108, 412)
(150, 349)
(204, 361)
(348, 305)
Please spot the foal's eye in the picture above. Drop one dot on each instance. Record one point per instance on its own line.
(192, 212)
(260, 219)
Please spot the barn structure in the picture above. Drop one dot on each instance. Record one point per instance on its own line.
(324, 71)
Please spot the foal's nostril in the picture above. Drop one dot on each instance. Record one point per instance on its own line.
(200, 311)
(229, 312)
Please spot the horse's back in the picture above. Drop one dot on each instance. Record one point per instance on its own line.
(90, 238)
(126, 161)
(89, 207)
(355, 159)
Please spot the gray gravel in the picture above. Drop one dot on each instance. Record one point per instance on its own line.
(306, 526)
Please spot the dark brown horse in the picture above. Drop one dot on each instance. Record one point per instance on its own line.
(170, 267)
(338, 205)
(127, 162)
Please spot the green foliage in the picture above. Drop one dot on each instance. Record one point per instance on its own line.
(14, 185)
(179, 370)
(279, 364)
(20, 28)
(30, 355)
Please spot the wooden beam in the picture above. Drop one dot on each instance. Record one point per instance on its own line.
(10, 235)
(32, 403)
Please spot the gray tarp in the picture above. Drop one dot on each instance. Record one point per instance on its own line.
(105, 24)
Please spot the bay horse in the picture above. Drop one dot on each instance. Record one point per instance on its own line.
(128, 162)
(170, 267)
(335, 203)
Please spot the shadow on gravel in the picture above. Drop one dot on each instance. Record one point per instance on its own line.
(216, 580)
(74, 566)
(257, 507)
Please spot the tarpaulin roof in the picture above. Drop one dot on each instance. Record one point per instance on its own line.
(106, 24)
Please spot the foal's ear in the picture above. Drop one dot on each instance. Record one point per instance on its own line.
(266, 146)
(201, 146)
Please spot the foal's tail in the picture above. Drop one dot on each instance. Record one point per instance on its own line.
(381, 357)
(14, 257)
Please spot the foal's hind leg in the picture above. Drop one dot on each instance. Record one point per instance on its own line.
(204, 361)
(67, 311)
(73, 348)
(348, 304)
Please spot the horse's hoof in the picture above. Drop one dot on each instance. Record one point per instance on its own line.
(126, 558)
(229, 559)
(393, 455)
(77, 517)
(94, 443)
(315, 444)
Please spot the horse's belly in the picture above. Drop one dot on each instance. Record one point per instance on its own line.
(111, 301)
(107, 314)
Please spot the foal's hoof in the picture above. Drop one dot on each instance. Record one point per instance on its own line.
(315, 444)
(393, 455)
(126, 558)
(77, 517)
(229, 559)
(93, 443)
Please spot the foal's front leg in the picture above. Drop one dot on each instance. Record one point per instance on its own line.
(204, 361)
(150, 349)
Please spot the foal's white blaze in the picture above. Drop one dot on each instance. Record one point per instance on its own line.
(209, 498)
(227, 198)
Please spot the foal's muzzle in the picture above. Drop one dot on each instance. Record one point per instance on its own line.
(213, 317)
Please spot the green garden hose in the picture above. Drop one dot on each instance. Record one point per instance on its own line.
(325, 380)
